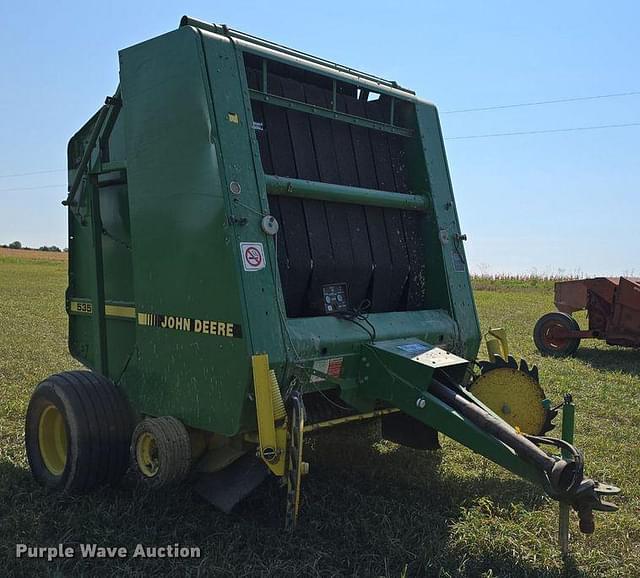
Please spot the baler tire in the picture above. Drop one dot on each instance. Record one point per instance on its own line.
(565, 349)
(77, 432)
(172, 445)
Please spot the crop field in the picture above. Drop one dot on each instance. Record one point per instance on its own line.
(369, 509)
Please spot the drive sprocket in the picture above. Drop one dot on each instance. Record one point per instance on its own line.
(512, 390)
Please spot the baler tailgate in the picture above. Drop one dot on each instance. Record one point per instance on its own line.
(375, 250)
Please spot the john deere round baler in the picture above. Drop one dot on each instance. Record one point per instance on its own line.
(263, 243)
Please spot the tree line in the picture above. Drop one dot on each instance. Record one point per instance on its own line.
(51, 248)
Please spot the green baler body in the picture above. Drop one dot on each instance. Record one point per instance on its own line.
(159, 297)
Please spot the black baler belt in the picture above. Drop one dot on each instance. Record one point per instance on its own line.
(412, 222)
(392, 217)
(292, 216)
(415, 292)
(337, 213)
(322, 259)
(383, 273)
(398, 163)
(358, 232)
(377, 252)
(274, 202)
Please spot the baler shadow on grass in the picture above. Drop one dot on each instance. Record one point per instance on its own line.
(398, 504)
(610, 359)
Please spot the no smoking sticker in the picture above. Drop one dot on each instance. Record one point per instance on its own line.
(252, 256)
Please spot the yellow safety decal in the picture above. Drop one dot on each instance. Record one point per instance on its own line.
(120, 311)
(207, 326)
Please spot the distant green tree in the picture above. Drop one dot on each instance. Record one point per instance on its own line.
(15, 245)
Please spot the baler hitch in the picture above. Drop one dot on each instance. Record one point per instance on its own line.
(563, 478)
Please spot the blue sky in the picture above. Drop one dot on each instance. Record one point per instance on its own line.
(548, 202)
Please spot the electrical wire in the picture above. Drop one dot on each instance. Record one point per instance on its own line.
(542, 102)
(11, 189)
(357, 315)
(545, 131)
(40, 172)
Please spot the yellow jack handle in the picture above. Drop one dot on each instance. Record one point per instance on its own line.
(269, 409)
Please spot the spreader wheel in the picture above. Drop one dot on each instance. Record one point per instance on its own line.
(161, 451)
(77, 431)
(513, 392)
(548, 334)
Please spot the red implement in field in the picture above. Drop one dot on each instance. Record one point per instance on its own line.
(613, 309)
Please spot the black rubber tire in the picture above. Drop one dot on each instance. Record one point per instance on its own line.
(98, 424)
(173, 447)
(560, 349)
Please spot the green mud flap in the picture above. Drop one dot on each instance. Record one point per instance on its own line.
(405, 430)
(227, 487)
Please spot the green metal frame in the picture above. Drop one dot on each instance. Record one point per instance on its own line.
(329, 113)
(568, 430)
(387, 372)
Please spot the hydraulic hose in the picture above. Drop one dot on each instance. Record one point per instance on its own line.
(493, 425)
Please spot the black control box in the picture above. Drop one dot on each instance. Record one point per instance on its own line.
(334, 297)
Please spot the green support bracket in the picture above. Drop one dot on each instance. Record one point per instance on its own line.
(343, 194)
(568, 428)
(98, 317)
(392, 371)
(86, 155)
(101, 168)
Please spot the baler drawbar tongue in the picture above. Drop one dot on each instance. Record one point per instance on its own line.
(417, 378)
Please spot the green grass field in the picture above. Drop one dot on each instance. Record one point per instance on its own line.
(368, 510)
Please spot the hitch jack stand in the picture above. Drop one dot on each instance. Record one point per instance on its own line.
(568, 425)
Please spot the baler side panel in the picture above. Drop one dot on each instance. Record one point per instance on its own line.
(184, 265)
(102, 344)
(239, 162)
(451, 288)
(82, 343)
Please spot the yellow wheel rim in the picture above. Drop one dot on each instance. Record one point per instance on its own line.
(52, 438)
(514, 396)
(147, 455)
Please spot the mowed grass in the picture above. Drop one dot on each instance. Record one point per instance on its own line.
(368, 510)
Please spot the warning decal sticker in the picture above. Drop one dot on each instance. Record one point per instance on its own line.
(331, 367)
(252, 256)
